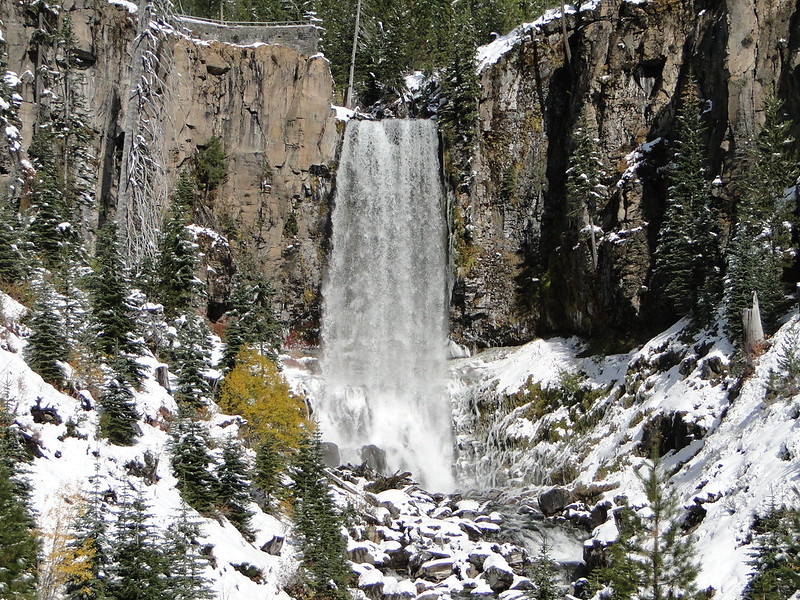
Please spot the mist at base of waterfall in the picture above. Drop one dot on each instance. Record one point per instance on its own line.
(385, 302)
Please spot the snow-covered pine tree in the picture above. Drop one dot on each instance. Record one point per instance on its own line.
(176, 285)
(18, 543)
(191, 359)
(460, 87)
(252, 322)
(761, 243)
(185, 564)
(137, 570)
(269, 468)
(233, 487)
(90, 549)
(686, 271)
(13, 264)
(192, 462)
(118, 416)
(318, 523)
(47, 345)
(114, 327)
(776, 558)
(585, 188)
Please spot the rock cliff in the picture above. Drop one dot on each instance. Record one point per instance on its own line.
(528, 270)
(154, 96)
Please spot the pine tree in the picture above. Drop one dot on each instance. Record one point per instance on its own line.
(544, 577)
(47, 345)
(318, 524)
(191, 359)
(118, 416)
(776, 558)
(585, 188)
(686, 256)
(269, 468)
(191, 463)
(90, 545)
(137, 570)
(13, 268)
(177, 287)
(252, 321)
(233, 489)
(761, 242)
(622, 572)
(18, 543)
(460, 87)
(114, 325)
(667, 555)
(185, 564)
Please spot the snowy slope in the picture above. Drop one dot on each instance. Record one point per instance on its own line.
(67, 463)
(739, 454)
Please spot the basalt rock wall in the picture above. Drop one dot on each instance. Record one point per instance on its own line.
(529, 270)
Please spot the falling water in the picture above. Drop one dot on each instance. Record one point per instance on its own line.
(384, 324)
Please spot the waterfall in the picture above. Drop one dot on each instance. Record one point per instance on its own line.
(385, 302)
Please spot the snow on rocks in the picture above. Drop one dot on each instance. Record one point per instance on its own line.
(411, 544)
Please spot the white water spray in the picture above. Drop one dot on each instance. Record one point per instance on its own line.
(384, 324)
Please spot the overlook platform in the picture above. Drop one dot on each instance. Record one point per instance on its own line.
(298, 35)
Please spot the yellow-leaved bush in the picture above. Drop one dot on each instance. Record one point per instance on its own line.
(256, 390)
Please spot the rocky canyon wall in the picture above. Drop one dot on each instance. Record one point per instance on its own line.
(528, 270)
(154, 95)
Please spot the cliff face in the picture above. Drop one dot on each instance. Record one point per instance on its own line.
(154, 96)
(530, 271)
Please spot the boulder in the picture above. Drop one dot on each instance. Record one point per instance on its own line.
(374, 458)
(330, 454)
(273, 546)
(497, 573)
(437, 570)
(554, 500)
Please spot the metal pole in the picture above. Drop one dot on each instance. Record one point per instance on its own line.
(349, 97)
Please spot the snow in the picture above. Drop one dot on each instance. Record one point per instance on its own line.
(490, 53)
(68, 463)
(342, 113)
(12, 79)
(129, 6)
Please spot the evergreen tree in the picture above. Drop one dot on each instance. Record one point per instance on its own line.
(667, 556)
(460, 87)
(191, 359)
(114, 325)
(47, 203)
(318, 524)
(776, 558)
(90, 546)
(585, 188)
(47, 345)
(269, 467)
(233, 490)
(544, 577)
(18, 543)
(118, 416)
(185, 564)
(138, 566)
(761, 242)
(252, 322)
(13, 268)
(177, 287)
(622, 572)
(191, 463)
(686, 257)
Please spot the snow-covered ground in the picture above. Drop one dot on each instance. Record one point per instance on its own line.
(68, 462)
(738, 455)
